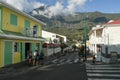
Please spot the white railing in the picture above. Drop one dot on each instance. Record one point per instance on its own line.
(51, 51)
(29, 32)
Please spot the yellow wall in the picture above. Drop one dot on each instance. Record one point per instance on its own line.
(21, 18)
(1, 53)
(16, 57)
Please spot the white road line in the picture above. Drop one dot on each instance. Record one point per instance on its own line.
(76, 60)
(55, 61)
(62, 60)
(103, 75)
(104, 65)
(103, 72)
(103, 68)
(116, 71)
(101, 79)
(108, 65)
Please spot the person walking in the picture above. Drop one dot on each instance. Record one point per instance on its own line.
(94, 59)
(35, 57)
(30, 58)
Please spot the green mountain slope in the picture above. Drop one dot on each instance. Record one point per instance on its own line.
(73, 26)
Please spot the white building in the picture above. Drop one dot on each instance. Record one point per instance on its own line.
(53, 37)
(105, 41)
(52, 43)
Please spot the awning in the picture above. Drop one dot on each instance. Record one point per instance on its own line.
(21, 37)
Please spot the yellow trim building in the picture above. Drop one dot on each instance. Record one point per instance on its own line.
(19, 33)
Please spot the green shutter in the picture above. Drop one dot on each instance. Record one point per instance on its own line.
(8, 53)
(13, 19)
(27, 24)
(33, 47)
(0, 18)
(23, 51)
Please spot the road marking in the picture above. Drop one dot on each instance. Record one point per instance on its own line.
(76, 60)
(101, 79)
(62, 60)
(116, 71)
(103, 75)
(55, 61)
(103, 72)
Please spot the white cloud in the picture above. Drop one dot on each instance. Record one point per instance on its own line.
(60, 9)
(24, 5)
(57, 9)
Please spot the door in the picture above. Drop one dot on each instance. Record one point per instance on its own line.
(27, 49)
(8, 53)
(23, 51)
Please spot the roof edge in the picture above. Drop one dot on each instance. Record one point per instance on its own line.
(18, 11)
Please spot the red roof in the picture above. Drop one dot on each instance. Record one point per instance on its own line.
(114, 22)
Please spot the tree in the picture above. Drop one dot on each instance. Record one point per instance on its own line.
(62, 46)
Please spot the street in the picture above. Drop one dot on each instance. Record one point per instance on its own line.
(64, 68)
(103, 71)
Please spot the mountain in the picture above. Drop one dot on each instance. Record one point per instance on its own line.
(72, 26)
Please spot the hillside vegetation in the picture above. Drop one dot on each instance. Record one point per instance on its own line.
(73, 26)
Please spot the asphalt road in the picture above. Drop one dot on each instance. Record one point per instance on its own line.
(65, 68)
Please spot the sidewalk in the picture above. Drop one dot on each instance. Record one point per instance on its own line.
(15, 69)
(20, 68)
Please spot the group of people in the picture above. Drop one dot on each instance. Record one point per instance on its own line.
(35, 58)
(81, 52)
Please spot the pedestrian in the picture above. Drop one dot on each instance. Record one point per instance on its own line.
(37, 59)
(34, 57)
(30, 58)
(79, 54)
(94, 59)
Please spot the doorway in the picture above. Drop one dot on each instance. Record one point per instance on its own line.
(27, 48)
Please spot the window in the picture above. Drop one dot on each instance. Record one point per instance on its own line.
(13, 19)
(16, 47)
(27, 24)
(35, 32)
(27, 27)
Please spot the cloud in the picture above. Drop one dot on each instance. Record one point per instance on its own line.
(58, 9)
(24, 5)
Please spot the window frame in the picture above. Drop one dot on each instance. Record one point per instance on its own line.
(15, 47)
(13, 19)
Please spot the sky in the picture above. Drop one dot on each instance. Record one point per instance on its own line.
(105, 6)
(65, 7)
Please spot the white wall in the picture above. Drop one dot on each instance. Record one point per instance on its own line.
(112, 34)
(46, 34)
(52, 36)
(51, 51)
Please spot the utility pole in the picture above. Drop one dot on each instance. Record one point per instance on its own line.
(85, 54)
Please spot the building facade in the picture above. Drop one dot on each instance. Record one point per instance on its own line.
(19, 33)
(53, 37)
(105, 41)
